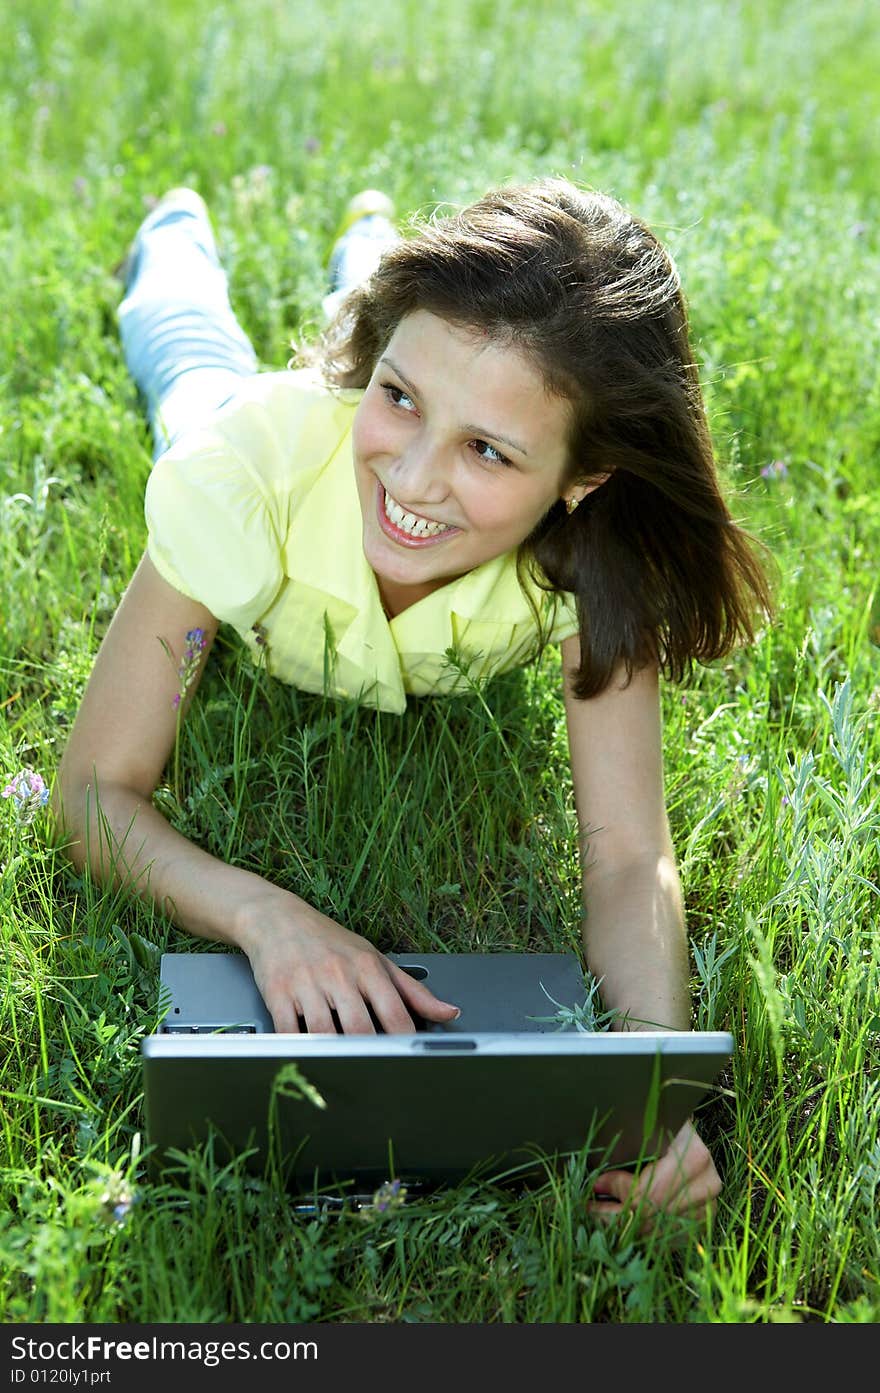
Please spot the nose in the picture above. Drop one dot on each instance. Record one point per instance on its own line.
(421, 473)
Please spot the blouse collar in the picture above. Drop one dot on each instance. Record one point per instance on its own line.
(490, 594)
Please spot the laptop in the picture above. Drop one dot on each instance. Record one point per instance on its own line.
(512, 1085)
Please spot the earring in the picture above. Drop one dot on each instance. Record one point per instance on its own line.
(571, 504)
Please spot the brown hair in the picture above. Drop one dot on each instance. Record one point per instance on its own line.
(584, 290)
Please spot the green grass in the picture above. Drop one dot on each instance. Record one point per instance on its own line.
(746, 134)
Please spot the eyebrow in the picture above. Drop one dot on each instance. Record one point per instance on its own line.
(478, 431)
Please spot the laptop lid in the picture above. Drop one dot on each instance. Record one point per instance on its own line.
(427, 1108)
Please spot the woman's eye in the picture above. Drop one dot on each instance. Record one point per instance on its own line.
(397, 396)
(488, 452)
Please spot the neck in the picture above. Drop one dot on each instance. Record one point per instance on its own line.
(396, 597)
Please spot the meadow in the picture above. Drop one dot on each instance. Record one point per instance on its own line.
(746, 135)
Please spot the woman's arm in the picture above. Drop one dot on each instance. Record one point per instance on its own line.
(634, 935)
(304, 963)
(634, 931)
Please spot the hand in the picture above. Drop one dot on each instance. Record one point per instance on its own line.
(306, 965)
(683, 1181)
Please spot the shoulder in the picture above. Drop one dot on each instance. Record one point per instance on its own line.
(277, 423)
(219, 502)
(293, 394)
(263, 448)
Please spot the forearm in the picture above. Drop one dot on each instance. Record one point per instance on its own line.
(129, 845)
(635, 942)
(307, 967)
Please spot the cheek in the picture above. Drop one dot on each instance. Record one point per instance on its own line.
(512, 513)
(360, 433)
(370, 434)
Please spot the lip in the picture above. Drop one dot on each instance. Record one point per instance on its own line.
(398, 535)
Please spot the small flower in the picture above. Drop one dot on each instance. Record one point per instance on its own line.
(311, 144)
(189, 666)
(189, 663)
(30, 794)
(390, 1195)
(115, 1200)
(218, 128)
(195, 640)
(776, 469)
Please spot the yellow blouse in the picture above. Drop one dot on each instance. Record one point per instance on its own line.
(256, 516)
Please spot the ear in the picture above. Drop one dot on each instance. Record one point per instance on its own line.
(578, 492)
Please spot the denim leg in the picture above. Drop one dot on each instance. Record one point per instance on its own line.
(183, 345)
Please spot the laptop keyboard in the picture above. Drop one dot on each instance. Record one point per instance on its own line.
(421, 1025)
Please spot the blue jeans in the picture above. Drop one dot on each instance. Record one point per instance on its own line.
(182, 342)
(183, 345)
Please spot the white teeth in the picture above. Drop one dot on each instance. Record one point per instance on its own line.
(416, 527)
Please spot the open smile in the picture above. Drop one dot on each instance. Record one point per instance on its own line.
(408, 529)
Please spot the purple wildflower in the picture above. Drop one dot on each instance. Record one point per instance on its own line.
(390, 1195)
(189, 663)
(218, 128)
(776, 469)
(30, 794)
(116, 1200)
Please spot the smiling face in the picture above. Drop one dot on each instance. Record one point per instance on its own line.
(459, 451)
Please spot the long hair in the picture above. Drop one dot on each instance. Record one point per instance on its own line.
(586, 293)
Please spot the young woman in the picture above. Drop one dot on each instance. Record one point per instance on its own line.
(501, 443)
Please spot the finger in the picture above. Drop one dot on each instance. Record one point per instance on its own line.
(418, 997)
(315, 1009)
(694, 1192)
(683, 1182)
(381, 992)
(627, 1193)
(284, 1014)
(610, 1194)
(351, 1009)
(686, 1204)
(389, 1008)
(685, 1174)
(665, 1191)
(613, 1185)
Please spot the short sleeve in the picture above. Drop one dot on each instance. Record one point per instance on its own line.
(219, 501)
